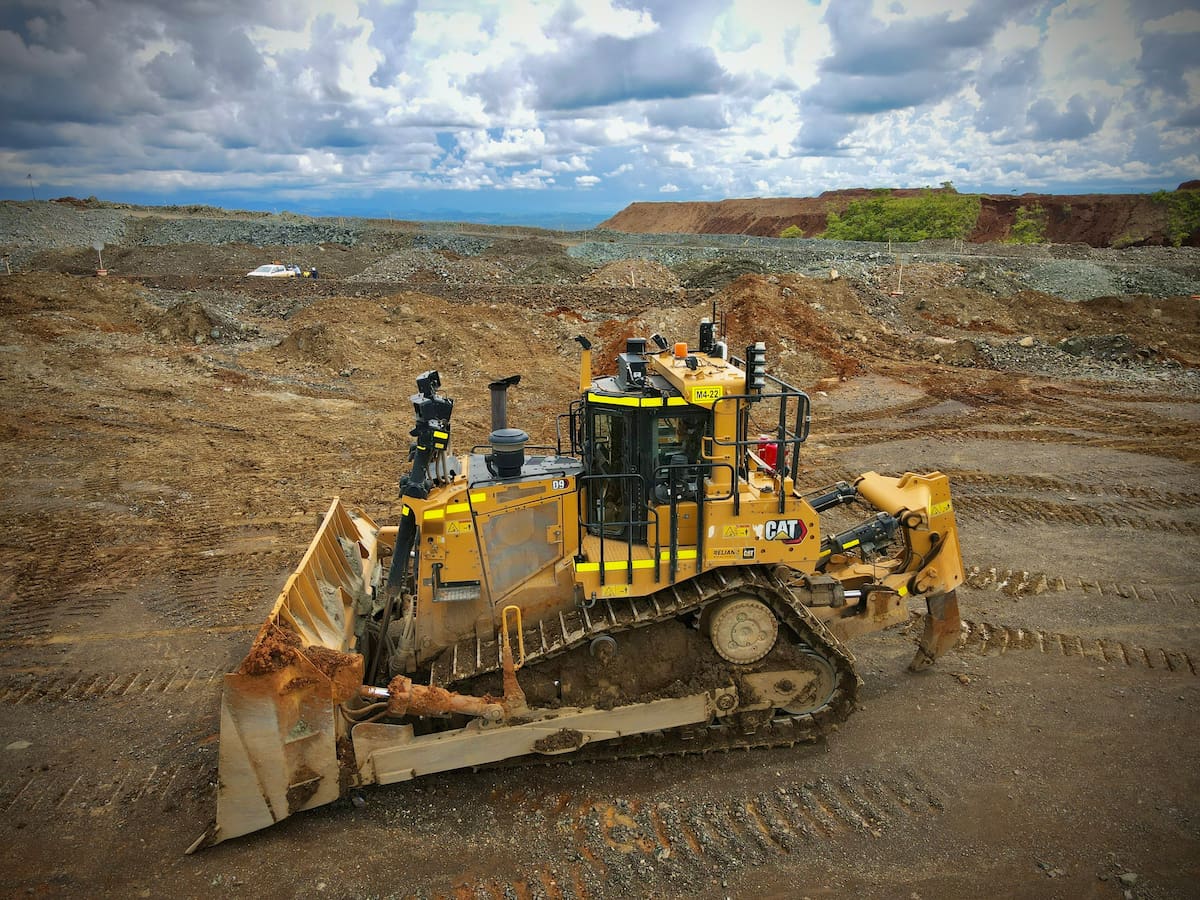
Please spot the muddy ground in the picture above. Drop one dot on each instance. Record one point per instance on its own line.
(169, 442)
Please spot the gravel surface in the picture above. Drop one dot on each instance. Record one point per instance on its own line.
(1072, 271)
(28, 228)
(284, 231)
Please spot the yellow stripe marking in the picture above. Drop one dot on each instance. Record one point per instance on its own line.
(641, 402)
(682, 554)
(612, 566)
(434, 514)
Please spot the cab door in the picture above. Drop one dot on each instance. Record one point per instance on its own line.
(616, 498)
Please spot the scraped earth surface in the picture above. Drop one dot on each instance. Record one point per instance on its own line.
(172, 434)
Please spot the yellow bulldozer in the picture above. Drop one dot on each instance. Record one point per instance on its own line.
(654, 583)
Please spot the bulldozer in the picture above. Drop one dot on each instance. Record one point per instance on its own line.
(653, 583)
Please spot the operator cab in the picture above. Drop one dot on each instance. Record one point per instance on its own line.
(642, 444)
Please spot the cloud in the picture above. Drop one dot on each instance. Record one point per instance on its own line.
(392, 26)
(609, 70)
(1005, 87)
(1071, 124)
(706, 98)
(880, 65)
(677, 157)
(512, 146)
(1167, 57)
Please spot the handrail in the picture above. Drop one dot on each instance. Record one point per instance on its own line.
(585, 520)
(791, 431)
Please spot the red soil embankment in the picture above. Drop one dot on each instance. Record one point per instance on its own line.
(1101, 220)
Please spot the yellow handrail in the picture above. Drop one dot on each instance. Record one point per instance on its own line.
(520, 634)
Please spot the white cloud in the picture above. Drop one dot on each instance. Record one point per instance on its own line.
(600, 18)
(677, 157)
(1183, 21)
(514, 147)
(705, 99)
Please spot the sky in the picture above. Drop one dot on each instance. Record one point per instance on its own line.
(525, 110)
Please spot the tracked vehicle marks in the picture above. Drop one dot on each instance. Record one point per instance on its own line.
(1022, 583)
(986, 638)
(36, 616)
(24, 689)
(50, 792)
(969, 483)
(628, 842)
(1170, 442)
(1015, 509)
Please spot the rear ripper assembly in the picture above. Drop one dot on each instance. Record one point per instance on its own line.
(655, 582)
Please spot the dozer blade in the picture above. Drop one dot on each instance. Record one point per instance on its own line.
(943, 628)
(279, 709)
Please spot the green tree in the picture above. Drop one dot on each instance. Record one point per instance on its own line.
(931, 214)
(1183, 213)
(792, 231)
(1029, 226)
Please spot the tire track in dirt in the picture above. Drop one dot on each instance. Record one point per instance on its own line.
(61, 793)
(985, 638)
(1021, 583)
(979, 481)
(1174, 445)
(40, 615)
(1010, 509)
(68, 686)
(622, 842)
(841, 420)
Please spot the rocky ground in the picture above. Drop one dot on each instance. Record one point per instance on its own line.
(171, 431)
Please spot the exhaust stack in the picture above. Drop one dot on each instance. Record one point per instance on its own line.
(508, 444)
(499, 389)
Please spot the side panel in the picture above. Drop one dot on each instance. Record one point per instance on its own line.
(520, 542)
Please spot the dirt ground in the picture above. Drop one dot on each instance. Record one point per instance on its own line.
(169, 442)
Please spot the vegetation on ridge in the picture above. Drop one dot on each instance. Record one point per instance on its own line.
(933, 214)
(1183, 213)
(1029, 226)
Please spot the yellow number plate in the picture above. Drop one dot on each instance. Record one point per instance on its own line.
(702, 394)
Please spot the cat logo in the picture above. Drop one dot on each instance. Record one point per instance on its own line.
(790, 531)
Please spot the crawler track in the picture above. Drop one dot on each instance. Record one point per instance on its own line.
(577, 628)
